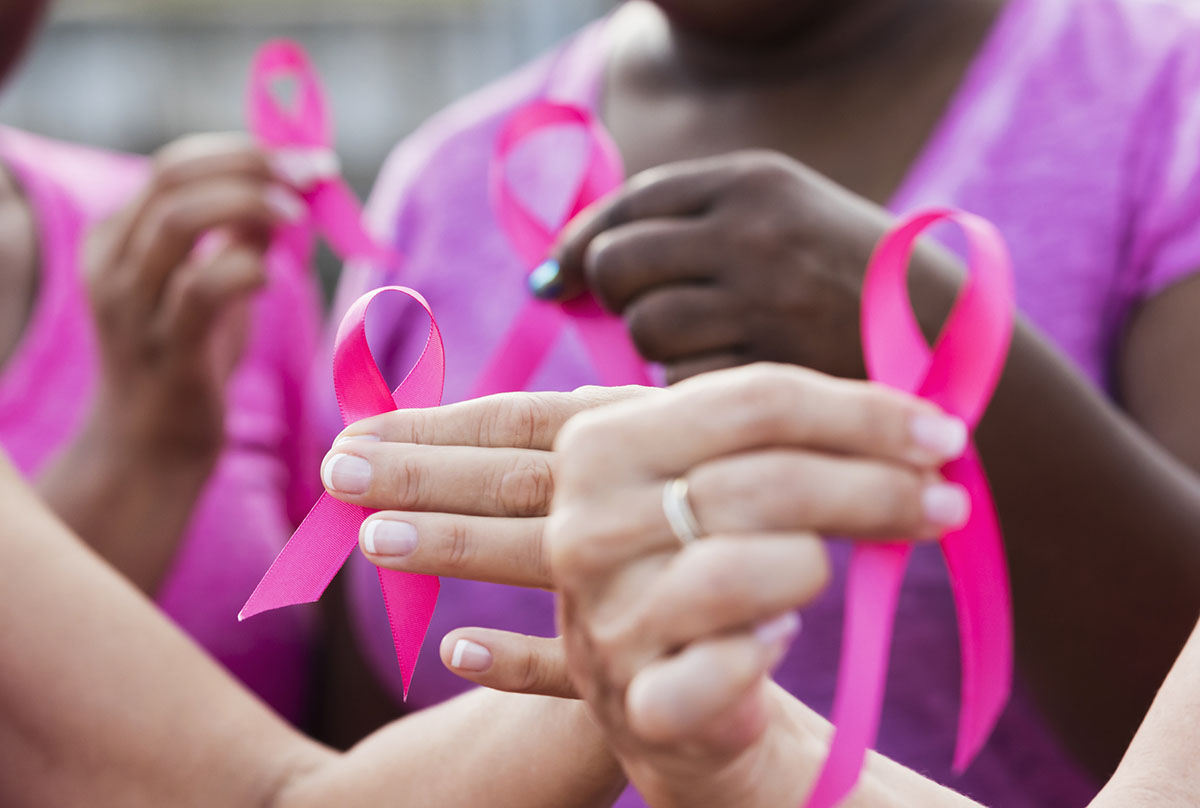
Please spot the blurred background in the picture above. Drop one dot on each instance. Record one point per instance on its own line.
(134, 74)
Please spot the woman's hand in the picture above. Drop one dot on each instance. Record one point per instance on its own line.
(463, 491)
(169, 278)
(672, 643)
(733, 259)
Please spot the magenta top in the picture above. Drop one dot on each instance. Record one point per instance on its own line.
(1075, 131)
(263, 482)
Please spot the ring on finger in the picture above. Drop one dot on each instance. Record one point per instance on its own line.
(678, 511)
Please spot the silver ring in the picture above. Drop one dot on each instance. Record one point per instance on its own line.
(679, 513)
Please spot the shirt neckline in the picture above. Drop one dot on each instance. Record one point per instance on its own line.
(580, 73)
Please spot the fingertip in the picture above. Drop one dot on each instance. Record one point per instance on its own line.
(546, 282)
(942, 436)
(465, 656)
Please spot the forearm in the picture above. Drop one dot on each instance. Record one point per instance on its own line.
(1103, 534)
(131, 508)
(483, 748)
(104, 703)
(1160, 769)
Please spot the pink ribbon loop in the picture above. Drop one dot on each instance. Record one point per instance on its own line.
(327, 536)
(540, 324)
(306, 125)
(959, 374)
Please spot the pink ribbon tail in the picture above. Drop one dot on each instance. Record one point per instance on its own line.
(959, 374)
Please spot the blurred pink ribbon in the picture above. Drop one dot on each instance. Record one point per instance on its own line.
(540, 324)
(304, 127)
(327, 536)
(959, 374)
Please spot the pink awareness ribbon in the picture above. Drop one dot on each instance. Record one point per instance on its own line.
(320, 546)
(540, 324)
(959, 374)
(306, 125)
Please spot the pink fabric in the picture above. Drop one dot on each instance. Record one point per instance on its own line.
(959, 374)
(319, 547)
(261, 483)
(1074, 131)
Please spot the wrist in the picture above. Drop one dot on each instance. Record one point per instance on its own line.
(145, 444)
(126, 452)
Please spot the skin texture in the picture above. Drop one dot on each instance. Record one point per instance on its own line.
(672, 644)
(130, 713)
(170, 278)
(630, 591)
(731, 257)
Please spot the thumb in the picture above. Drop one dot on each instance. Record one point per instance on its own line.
(514, 663)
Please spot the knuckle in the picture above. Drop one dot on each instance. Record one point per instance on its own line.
(459, 547)
(406, 484)
(764, 404)
(717, 581)
(526, 488)
(531, 675)
(573, 548)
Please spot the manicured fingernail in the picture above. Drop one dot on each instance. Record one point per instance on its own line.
(303, 168)
(346, 474)
(285, 204)
(350, 438)
(545, 282)
(946, 505)
(946, 437)
(389, 538)
(780, 631)
(470, 656)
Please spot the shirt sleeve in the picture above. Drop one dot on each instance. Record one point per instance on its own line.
(1163, 244)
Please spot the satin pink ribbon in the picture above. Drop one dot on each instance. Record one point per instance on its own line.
(327, 536)
(959, 374)
(540, 324)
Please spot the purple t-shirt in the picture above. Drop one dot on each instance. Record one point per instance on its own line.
(262, 483)
(1076, 130)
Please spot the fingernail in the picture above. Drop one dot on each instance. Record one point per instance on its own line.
(389, 538)
(779, 631)
(470, 656)
(946, 505)
(303, 168)
(346, 474)
(545, 282)
(941, 434)
(350, 438)
(285, 204)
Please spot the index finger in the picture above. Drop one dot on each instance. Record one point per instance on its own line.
(677, 190)
(734, 411)
(507, 420)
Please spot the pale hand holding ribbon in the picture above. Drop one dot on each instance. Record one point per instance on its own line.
(327, 536)
(959, 374)
(539, 324)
